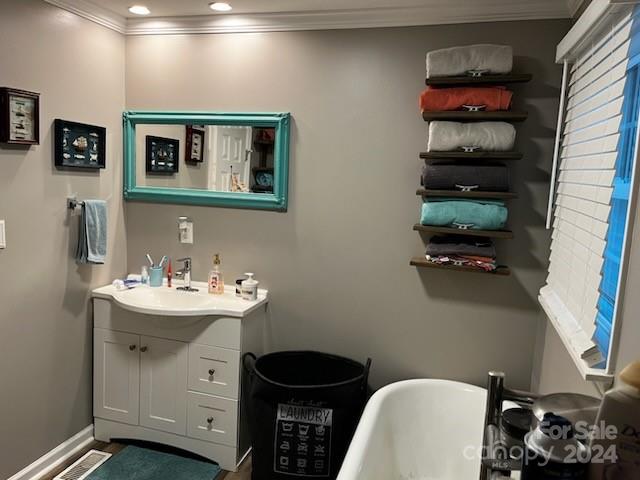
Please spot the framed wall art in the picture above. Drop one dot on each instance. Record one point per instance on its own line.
(162, 155)
(79, 145)
(19, 117)
(194, 151)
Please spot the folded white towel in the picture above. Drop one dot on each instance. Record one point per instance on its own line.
(459, 60)
(487, 136)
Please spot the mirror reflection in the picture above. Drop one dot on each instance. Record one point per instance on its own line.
(221, 158)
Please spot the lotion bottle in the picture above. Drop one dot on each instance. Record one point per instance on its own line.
(616, 451)
(250, 288)
(216, 281)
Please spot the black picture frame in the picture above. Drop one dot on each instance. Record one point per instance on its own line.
(193, 155)
(263, 179)
(162, 155)
(79, 145)
(23, 117)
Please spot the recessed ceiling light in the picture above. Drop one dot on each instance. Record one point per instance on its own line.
(139, 10)
(220, 6)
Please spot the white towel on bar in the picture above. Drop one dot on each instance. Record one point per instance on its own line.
(487, 136)
(459, 60)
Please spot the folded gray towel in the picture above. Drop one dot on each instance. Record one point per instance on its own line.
(459, 245)
(487, 136)
(447, 175)
(92, 235)
(460, 60)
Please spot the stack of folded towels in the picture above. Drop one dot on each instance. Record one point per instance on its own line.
(472, 252)
(468, 213)
(447, 136)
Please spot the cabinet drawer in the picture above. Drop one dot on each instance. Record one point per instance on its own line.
(214, 370)
(213, 419)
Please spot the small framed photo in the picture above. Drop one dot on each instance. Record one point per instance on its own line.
(162, 155)
(79, 145)
(19, 117)
(263, 180)
(194, 151)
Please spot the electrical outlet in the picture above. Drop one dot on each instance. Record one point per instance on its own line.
(3, 238)
(185, 230)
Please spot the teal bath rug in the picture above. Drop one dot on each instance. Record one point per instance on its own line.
(136, 463)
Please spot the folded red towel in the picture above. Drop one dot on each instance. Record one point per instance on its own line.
(442, 99)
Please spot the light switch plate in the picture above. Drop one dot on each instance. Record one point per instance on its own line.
(185, 230)
(3, 238)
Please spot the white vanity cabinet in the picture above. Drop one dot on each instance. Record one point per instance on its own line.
(175, 379)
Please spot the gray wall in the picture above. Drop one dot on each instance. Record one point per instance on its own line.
(336, 263)
(45, 322)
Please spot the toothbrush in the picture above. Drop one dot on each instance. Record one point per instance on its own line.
(163, 260)
(150, 260)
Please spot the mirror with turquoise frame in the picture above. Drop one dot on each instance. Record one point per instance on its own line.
(238, 160)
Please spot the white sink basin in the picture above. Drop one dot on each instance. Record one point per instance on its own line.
(419, 430)
(167, 301)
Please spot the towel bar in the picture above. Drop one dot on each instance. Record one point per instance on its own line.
(73, 203)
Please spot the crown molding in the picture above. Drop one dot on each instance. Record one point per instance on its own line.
(448, 12)
(93, 12)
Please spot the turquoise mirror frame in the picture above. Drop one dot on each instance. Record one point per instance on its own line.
(185, 196)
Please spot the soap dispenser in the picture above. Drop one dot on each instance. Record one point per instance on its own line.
(216, 281)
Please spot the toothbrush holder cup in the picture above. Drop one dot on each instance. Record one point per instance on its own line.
(155, 276)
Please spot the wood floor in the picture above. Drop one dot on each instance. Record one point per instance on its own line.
(244, 473)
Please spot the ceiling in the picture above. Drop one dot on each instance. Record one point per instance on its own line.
(195, 16)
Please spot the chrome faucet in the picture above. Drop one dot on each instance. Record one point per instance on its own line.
(185, 274)
(496, 463)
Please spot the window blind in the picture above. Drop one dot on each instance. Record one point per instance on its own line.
(597, 158)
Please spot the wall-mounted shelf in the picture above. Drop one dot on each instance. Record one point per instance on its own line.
(464, 116)
(459, 231)
(423, 262)
(483, 80)
(471, 155)
(459, 194)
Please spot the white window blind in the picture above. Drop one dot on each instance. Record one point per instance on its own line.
(593, 141)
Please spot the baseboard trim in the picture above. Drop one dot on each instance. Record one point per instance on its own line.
(55, 457)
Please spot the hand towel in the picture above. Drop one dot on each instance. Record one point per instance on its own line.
(470, 214)
(495, 59)
(487, 136)
(92, 235)
(447, 175)
(445, 99)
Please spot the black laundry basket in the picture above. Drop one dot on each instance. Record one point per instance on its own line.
(303, 410)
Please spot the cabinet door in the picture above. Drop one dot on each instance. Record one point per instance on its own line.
(116, 378)
(163, 384)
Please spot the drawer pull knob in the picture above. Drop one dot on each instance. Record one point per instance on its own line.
(132, 347)
(143, 349)
(211, 371)
(210, 420)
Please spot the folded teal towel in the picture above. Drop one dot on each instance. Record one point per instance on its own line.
(92, 237)
(474, 214)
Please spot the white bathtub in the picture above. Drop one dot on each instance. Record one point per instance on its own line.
(418, 430)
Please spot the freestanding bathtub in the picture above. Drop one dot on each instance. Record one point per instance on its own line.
(418, 430)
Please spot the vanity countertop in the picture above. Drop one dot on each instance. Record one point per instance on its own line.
(171, 302)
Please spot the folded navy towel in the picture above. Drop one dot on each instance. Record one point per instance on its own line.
(460, 245)
(445, 175)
